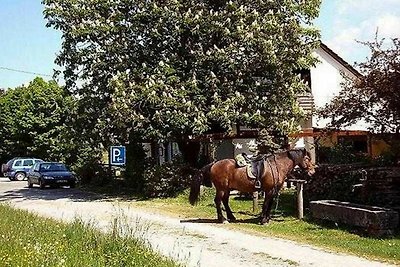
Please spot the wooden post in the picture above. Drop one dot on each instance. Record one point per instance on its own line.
(299, 188)
(255, 201)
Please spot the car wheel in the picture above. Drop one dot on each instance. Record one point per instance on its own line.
(30, 185)
(20, 176)
(72, 185)
(41, 184)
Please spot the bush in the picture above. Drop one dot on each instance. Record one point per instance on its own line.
(136, 163)
(341, 154)
(88, 166)
(334, 182)
(167, 180)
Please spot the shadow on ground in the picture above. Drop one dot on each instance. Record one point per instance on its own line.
(199, 221)
(12, 191)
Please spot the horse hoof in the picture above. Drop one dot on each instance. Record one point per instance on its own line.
(225, 222)
(264, 221)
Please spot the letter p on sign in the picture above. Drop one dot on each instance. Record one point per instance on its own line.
(117, 155)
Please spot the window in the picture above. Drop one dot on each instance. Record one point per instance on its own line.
(28, 163)
(305, 76)
(53, 167)
(18, 163)
(36, 167)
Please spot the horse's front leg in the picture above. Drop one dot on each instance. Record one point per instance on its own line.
(229, 213)
(266, 208)
(217, 200)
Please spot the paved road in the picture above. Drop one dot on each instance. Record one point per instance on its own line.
(194, 244)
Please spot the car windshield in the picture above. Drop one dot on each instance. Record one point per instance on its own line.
(52, 167)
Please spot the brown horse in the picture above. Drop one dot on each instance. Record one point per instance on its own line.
(226, 176)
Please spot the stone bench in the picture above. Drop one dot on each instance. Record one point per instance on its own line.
(376, 220)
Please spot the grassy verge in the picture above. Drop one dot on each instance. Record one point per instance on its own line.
(29, 240)
(284, 224)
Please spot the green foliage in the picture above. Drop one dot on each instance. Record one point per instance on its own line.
(266, 143)
(389, 157)
(34, 121)
(341, 154)
(171, 68)
(166, 180)
(88, 168)
(135, 164)
(42, 120)
(28, 240)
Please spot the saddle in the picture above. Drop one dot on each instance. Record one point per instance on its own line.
(254, 166)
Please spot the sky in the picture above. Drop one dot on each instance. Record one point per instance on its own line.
(27, 45)
(25, 42)
(343, 22)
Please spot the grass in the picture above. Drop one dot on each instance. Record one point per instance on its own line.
(284, 225)
(29, 240)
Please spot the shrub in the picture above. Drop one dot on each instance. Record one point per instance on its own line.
(340, 154)
(334, 182)
(166, 180)
(136, 163)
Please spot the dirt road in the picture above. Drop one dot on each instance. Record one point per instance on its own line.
(193, 244)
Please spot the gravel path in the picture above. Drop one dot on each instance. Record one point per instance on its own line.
(193, 244)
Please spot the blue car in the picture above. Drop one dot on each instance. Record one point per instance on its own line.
(17, 168)
(53, 174)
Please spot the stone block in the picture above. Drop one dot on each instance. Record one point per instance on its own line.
(376, 220)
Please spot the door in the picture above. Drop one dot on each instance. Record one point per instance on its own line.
(27, 165)
(34, 173)
(17, 166)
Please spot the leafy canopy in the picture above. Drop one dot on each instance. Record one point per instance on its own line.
(374, 97)
(34, 120)
(175, 68)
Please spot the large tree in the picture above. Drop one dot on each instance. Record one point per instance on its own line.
(374, 97)
(34, 121)
(174, 68)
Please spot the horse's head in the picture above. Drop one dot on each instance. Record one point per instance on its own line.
(302, 158)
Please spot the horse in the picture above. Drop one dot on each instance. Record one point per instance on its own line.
(225, 175)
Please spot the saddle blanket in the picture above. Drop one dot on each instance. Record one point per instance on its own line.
(241, 162)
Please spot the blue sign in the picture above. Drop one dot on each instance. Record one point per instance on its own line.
(117, 155)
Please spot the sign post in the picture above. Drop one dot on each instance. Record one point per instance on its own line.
(117, 155)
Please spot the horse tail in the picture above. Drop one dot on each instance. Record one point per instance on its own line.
(202, 176)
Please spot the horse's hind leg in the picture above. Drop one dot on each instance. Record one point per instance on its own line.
(218, 197)
(229, 213)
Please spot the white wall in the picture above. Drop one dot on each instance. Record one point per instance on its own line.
(325, 84)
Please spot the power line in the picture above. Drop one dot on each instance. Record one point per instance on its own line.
(26, 72)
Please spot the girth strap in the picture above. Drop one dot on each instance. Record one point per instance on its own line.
(275, 179)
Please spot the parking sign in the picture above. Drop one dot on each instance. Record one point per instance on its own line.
(117, 155)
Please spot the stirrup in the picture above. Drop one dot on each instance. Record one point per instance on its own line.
(257, 184)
